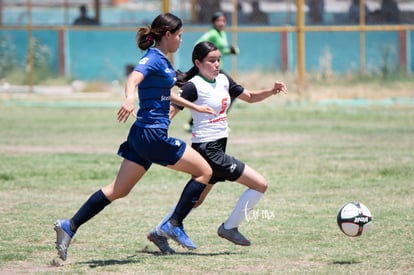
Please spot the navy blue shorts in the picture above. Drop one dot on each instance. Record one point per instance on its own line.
(225, 167)
(145, 146)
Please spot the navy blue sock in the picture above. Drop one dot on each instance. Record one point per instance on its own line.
(188, 199)
(90, 208)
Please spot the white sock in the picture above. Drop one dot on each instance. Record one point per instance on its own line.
(246, 203)
(166, 218)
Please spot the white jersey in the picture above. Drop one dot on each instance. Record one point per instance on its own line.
(207, 127)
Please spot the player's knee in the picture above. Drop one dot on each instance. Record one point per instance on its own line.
(262, 186)
(123, 193)
(206, 175)
(113, 193)
(118, 194)
(209, 173)
(265, 186)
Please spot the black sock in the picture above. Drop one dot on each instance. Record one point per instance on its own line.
(188, 199)
(90, 208)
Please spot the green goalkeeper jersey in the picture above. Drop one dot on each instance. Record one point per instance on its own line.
(219, 39)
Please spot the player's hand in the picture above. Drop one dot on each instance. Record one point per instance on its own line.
(173, 111)
(205, 109)
(126, 109)
(280, 87)
(234, 50)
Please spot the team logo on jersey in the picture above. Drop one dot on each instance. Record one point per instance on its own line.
(143, 60)
(233, 167)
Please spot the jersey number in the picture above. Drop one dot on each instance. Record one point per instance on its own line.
(223, 105)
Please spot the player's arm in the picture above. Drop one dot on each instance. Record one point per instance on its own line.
(238, 91)
(180, 101)
(130, 96)
(257, 96)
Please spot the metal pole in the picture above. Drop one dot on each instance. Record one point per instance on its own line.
(362, 36)
(193, 9)
(98, 11)
(1, 12)
(300, 34)
(234, 24)
(30, 66)
(165, 5)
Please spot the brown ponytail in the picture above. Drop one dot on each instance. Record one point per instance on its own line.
(147, 36)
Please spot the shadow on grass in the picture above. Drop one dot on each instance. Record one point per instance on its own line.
(100, 263)
(146, 250)
(346, 262)
(133, 258)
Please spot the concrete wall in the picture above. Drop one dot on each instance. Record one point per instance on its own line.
(103, 55)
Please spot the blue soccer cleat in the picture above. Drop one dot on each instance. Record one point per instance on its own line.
(177, 234)
(63, 237)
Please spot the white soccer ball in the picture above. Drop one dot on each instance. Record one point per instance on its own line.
(354, 219)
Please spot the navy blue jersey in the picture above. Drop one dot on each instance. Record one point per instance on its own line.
(148, 140)
(154, 91)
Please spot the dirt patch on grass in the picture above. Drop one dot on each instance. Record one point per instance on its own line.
(26, 149)
(12, 268)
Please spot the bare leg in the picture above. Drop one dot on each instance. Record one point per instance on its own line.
(253, 179)
(194, 164)
(129, 174)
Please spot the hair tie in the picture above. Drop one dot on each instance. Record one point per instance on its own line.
(150, 38)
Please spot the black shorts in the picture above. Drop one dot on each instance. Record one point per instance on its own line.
(224, 167)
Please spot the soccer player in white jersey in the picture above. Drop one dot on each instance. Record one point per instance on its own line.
(204, 84)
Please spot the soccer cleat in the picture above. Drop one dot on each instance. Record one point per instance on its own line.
(177, 234)
(232, 235)
(63, 237)
(160, 241)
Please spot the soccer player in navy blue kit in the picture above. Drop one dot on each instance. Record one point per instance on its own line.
(205, 84)
(148, 140)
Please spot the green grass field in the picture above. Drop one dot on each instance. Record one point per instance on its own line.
(53, 155)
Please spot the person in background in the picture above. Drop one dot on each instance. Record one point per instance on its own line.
(257, 16)
(205, 8)
(204, 84)
(390, 11)
(148, 141)
(218, 36)
(83, 18)
(353, 11)
(316, 11)
(242, 17)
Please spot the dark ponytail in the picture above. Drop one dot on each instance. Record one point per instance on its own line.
(147, 36)
(200, 51)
